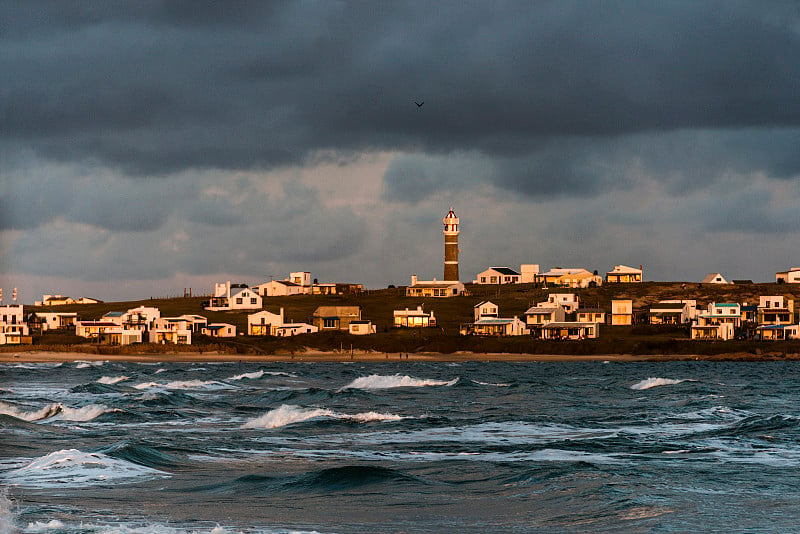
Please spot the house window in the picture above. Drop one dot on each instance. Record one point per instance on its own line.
(238, 301)
(252, 300)
(483, 279)
(494, 279)
(329, 322)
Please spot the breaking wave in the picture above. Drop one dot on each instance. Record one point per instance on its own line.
(72, 467)
(109, 380)
(259, 374)
(84, 364)
(183, 384)
(395, 381)
(288, 414)
(655, 382)
(86, 413)
(7, 514)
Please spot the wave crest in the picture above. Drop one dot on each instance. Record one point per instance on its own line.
(288, 414)
(109, 380)
(395, 381)
(83, 414)
(72, 467)
(655, 382)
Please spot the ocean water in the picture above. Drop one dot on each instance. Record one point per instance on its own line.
(399, 447)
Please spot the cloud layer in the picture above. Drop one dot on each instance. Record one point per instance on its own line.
(150, 140)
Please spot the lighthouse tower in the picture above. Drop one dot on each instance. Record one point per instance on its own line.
(450, 246)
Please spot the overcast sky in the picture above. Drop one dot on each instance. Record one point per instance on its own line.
(146, 147)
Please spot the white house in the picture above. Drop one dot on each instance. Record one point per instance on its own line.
(485, 309)
(721, 313)
(434, 288)
(361, 328)
(264, 323)
(714, 278)
(675, 313)
(293, 329)
(229, 296)
(498, 275)
(570, 330)
(220, 330)
(622, 274)
(417, 318)
(792, 276)
(107, 332)
(88, 300)
(141, 317)
(621, 312)
(12, 325)
(278, 288)
(529, 273)
(571, 277)
(569, 301)
(172, 330)
(543, 314)
(54, 320)
(54, 300)
(711, 332)
(775, 310)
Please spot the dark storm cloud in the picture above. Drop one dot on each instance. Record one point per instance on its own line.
(158, 87)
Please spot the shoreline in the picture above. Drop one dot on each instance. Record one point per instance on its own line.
(361, 356)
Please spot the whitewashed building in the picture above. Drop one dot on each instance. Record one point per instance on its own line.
(361, 328)
(622, 274)
(219, 330)
(434, 288)
(45, 321)
(714, 278)
(229, 296)
(621, 312)
(264, 323)
(498, 275)
(172, 330)
(108, 333)
(13, 328)
(792, 276)
(417, 318)
(293, 329)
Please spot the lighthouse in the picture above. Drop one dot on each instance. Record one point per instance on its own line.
(450, 246)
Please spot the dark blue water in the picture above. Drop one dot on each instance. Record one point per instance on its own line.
(411, 447)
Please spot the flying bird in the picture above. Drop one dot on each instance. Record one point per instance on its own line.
(419, 104)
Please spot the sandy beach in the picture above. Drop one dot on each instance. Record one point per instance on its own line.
(363, 356)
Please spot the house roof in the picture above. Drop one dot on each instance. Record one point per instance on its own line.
(624, 269)
(493, 320)
(667, 306)
(711, 278)
(568, 324)
(115, 314)
(505, 270)
(535, 310)
(591, 310)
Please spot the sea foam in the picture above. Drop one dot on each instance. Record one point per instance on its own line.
(655, 382)
(288, 414)
(183, 384)
(72, 467)
(395, 381)
(109, 380)
(7, 514)
(83, 414)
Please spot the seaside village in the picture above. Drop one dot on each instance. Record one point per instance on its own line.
(562, 316)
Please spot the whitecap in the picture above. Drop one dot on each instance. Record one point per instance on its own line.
(85, 413)
(72, 468)
(494, 384)
(7, 514)
(39, 526)
(251, 376)
(655, 382)
(395, 381)
(82, 364)
(288, 414)
(48, 411)
(183, 384)
(109, 380)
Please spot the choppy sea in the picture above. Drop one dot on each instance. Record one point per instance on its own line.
(171, 448)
